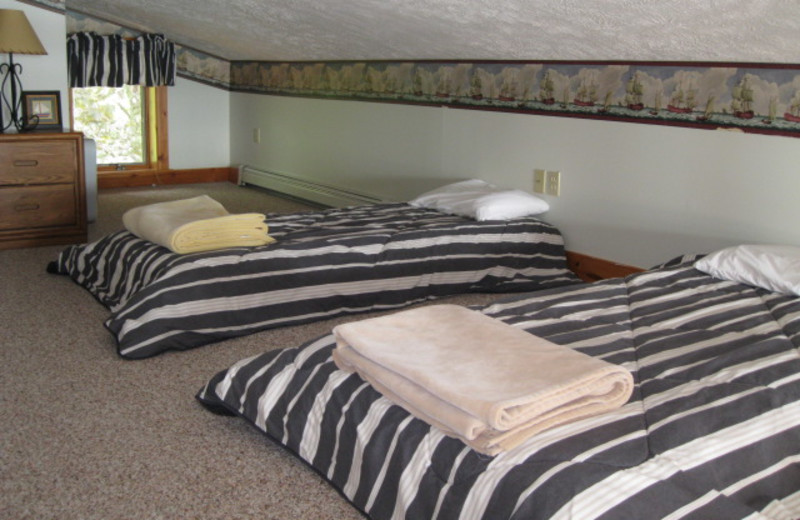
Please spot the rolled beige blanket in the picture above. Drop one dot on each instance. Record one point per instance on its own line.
(196, 224)
(476, 378)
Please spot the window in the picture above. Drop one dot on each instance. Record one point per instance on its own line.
(128, 124)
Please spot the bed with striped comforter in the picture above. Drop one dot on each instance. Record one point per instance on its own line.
(712, 430)
(324, 264)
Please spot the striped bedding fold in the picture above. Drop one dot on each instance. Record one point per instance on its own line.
(711, 430)
(324, 264)
(476, 378)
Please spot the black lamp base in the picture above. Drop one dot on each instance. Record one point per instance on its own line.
(11, 73)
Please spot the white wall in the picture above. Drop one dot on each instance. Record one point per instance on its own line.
(371, 148)
(199, 133)
(42, 72)
(634, 193)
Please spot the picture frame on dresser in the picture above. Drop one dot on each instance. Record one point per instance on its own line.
(42, 110)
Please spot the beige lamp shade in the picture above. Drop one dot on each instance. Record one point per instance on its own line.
(16, 34)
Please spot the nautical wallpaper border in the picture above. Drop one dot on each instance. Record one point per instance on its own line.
(751, 97)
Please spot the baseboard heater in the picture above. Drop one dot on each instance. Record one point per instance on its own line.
(312, 191)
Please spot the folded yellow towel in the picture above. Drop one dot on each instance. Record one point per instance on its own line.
(476, 378)
(196, 224)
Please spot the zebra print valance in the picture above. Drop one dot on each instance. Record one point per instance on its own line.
(96, 60)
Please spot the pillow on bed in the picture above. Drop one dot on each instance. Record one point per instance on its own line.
(508, 204)
(776, 268)
(480, 200)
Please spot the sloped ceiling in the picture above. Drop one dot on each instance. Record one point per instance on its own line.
(764, 31)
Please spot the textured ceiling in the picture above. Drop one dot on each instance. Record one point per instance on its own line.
(309, 30)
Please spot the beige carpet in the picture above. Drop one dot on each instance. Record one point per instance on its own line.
(88, 435)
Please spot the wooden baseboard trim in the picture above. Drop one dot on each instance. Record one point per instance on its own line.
(132, 179)
(591, 269)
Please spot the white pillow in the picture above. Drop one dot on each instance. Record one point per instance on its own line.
(455, 198)
(505, 205)
(480, 200)
(776, 268)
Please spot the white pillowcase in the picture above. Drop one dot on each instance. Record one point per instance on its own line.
(508, 204)
(480, 200)
(776, 268)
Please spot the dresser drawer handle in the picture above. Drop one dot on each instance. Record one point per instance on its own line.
(29, 206)
(30, 162)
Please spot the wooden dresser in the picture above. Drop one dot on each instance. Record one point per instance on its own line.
(42, 189)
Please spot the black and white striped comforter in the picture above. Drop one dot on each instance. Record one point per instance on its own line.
(324, 264)
(712, 430)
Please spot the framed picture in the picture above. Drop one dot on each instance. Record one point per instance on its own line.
(42, 110)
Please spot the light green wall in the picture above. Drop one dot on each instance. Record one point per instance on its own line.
(636, 194)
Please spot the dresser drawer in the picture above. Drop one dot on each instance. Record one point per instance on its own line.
(38, 162)
(37, 206)
(42, 189)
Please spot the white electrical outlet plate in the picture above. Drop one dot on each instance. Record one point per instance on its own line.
(553, 183)
(256, 135)
(538, 181)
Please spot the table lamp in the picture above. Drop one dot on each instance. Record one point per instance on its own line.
(16, 37)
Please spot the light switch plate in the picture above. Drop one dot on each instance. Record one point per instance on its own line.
(538, 181)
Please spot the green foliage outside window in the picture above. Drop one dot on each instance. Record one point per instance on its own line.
(114, 118)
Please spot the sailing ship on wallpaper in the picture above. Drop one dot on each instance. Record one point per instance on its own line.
(752, 98)
(634, 93)
(586, 95)
(682, 101)
(793, 114)
(742, 104)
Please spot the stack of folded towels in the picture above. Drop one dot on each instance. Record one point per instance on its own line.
(476, 378)
(196, 224)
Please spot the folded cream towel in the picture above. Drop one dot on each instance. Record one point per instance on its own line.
(488, 383)
(196, 224)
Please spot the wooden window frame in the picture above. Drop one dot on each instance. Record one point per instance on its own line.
(156, 121)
